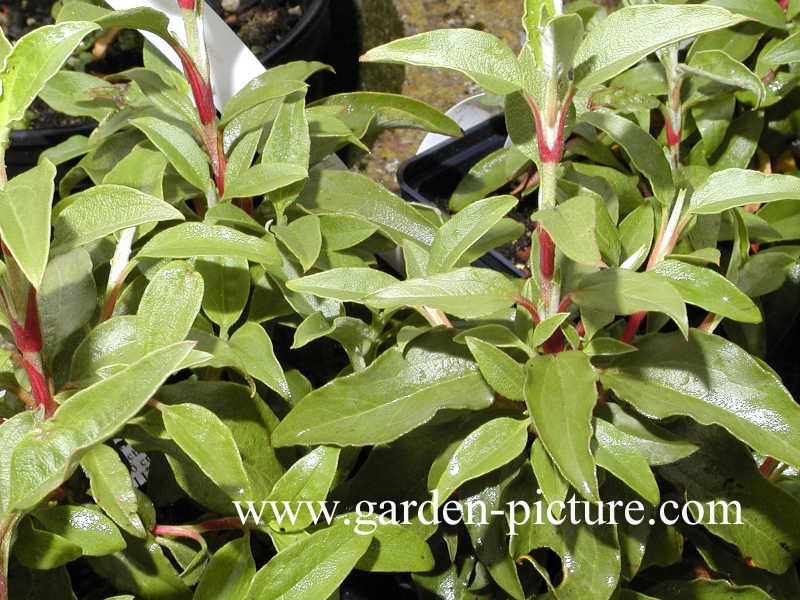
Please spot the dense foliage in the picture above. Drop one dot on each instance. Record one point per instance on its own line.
(199, 291)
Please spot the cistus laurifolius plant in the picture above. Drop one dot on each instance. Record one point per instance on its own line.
(204, 289)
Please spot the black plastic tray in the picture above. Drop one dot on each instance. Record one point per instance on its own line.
(431, 177)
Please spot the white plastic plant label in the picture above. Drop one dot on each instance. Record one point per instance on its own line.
(232, 64)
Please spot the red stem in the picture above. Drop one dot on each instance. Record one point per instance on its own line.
(632, 327)
(768, 467)
(527, 305)
(178, 531)
(221, 524)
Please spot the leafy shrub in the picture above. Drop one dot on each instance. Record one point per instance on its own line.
(185, 246)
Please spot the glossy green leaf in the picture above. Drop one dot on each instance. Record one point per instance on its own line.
(644, 152)
(34, 59)
(713, 118)
(210, 444)
(435, 49)
(229, 572)
(466, 292)
(313, 567)
(342, 193)
(86, 526)
(624, 292)
(764, 527)
(346, 284)
(105, 209)
(603, 346)
(464, 229)
(263, 178)
(369, 110)
(737, 187)
(605, 53)
(487, 175)
(309, 479)
(226, 288)
(784, 52)
(182, 151)
(25, 206)
(392, 396)
(577, 226)
(764, 11)
(656, 444)
(112, 488)
(176, 285)
(545, 329)
(11, 432)
(395, 549)
(708, 289)
(258, 91)
(560, 393)
(552, 484)
(707, 589)
(713, 381)
(617, 456)
(69, 92)
(188, 240)
(42, 550)
(254, 348)
(485, 449)
(45, 457)
(503, 373)
(303, 238)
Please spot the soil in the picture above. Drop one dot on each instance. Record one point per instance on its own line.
(259, 24)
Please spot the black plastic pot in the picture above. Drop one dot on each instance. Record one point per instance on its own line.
(431, 177)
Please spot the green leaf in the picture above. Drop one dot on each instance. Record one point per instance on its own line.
(311, 568)
(365, 111)
(706, 589)
(644, 152)
(485, 449)
(261, 90)
(619, 457)
(545, 329)
(396, 549)
(229, 572)
(713, 118)
(69, 92)
(67, 298)
(784, 52)
(500, 74)
(738, 187)
(720, 67)
(308, 480)
(303, 238)
(346, 284)
(104, 209)
(467, 292)
(263, 178)
(764, 11)
(624, 292)
(554, 487)
(45, 457)
(112, 488)
(86, 526)
(187, 240)
(603, 346)
(254, 348)
(708, 289)
(656, 444)
(33, 60)
(577, 226)
(764, 527)
(183, 152)
(713, 381)
(560, 393)
(25, 206)
(342, 193)
(226, 288)
(140, 17)
(487, 175)
(11, 432)
(464, 229)
(503, 373)
(392, 396)
(42, 550)
(179, 287)
(210, 444)
(629, 34)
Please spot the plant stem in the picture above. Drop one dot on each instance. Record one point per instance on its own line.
(673, 112)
